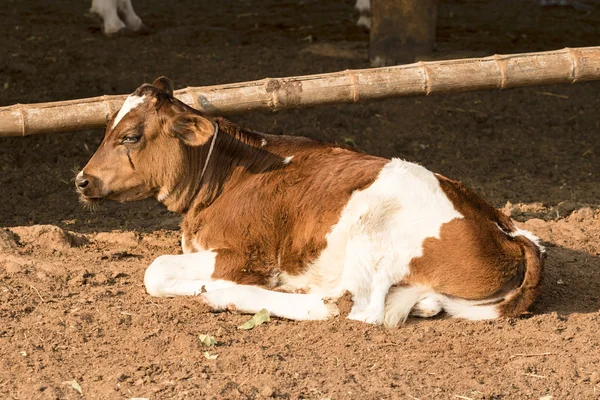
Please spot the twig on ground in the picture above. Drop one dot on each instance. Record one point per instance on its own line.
(38, 293)
(535, 376)
(388, 344)
(531, 355)
(562, 96)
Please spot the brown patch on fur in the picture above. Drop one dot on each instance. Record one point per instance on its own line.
(469, 260)
(475, 257)
(264, 217)
(471, 205)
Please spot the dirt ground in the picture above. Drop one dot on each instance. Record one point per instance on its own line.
(72, 301)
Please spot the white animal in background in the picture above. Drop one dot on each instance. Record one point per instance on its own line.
(117, 16)
(364, 9)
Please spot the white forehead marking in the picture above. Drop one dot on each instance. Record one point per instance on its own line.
(131, 103)
(287, 160)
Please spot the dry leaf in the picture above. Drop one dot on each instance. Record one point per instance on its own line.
(74, 385)
(210, 356)
(258, 318)
(207, 340)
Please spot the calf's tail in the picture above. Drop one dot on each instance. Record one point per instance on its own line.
(513, 303)
(519, 300)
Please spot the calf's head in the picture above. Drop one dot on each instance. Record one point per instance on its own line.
(145, 147)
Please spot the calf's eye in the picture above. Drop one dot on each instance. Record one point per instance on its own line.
(131, 139)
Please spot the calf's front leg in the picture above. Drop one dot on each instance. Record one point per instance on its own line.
(183, 275)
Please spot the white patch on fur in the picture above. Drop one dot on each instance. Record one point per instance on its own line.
(251, 299)
(184, 274)
(196, 246)
(131, 103)
(185, 246)
(467, 309)
(530, 236)
(190, 246)
(263, 143)
(287, 160)
(380, 230)
(162, 195)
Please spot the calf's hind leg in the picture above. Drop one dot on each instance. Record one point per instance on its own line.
(184, 274)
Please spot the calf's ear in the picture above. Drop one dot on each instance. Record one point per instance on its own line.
(164, 83)
(192, 129)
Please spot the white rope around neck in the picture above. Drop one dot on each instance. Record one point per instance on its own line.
(212, 145)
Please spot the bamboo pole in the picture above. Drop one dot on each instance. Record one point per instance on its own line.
(350, 86)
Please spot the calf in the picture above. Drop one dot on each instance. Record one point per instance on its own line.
(290, 224)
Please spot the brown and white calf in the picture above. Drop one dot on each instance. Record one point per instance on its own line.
(289, 223)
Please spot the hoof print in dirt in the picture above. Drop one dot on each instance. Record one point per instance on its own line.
(49, 237)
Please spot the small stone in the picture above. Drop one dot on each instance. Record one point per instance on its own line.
(565, 208)
(594, 378)
(56, 269)
(266, 392)
(126, 239)
(583, 214)
(13, 267)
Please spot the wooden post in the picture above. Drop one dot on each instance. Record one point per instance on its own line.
(401, 31)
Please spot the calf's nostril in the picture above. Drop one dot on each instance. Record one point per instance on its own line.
(82, 183)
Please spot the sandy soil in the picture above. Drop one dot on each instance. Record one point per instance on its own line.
(73, 306)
